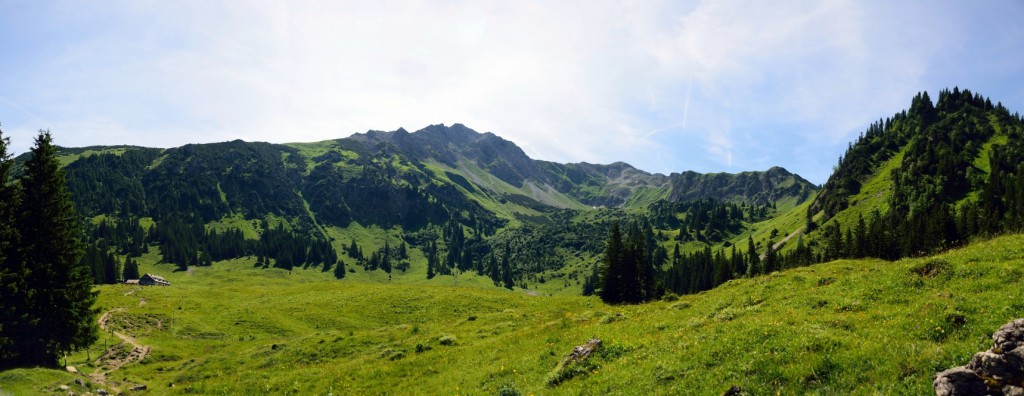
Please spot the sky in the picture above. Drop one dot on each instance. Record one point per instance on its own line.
(667, 86)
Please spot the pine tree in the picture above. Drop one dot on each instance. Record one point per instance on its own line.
(753, 260)
(431, 260)
(770, 258)
(63, 298)
(16, 323)
(612, 271)
(506, 268)
(131, 269)
(493, 271)
(339, 269)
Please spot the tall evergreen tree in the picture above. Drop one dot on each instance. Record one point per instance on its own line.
(770, 258)
(611, 271)
(506, 268)
(16, 323)
(753, 260)
(131, 269)
(339, 269)
(62, 298)
(493, 271)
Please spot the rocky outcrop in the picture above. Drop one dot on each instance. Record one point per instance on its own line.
(591, 184)
(752, 187)
(575, 363)
(997, 371)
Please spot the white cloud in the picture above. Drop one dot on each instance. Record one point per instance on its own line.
(664, 85)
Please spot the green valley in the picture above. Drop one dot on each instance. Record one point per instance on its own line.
(852, 327)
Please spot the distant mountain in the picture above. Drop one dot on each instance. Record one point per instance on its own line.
(383, 178)
(609, 185)
(442, 188)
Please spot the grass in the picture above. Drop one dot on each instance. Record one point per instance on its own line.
(846, 327)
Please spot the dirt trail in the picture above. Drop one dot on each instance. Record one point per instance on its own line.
(778, 245)
(114, 358)
(787, 238)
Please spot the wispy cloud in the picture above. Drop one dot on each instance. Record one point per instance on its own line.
(667, 86)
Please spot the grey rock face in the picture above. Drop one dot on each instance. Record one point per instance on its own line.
(959, 381)
(997, 371)
(1010, 336)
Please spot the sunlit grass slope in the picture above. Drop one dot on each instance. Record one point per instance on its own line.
(846, 327)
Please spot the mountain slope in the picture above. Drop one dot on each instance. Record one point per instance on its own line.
(454, 197)
(924, 180)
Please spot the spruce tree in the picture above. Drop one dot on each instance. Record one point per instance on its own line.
(62, 297)
(493, 271)
(753, 260)
(339, 269)
(770, 258)
(506, 268)
(611, 271)
(131, 269)
(16, 323)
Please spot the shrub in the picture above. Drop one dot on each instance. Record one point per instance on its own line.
(613, 318)
(392, 354)
(931, 268)
(446, 340)
(508, 390)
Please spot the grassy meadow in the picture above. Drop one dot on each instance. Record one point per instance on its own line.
(846, 327)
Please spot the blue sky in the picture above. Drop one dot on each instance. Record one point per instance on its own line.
(667, 86)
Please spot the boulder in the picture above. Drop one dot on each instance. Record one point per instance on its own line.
(1002, 368)
(997, 371)
(1011, 390)
(959, 381)
(1010, 336)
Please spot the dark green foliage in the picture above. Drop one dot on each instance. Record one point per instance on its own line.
(130, 269)
(706, 220)
(339, 270)
(59, 303)
(16, 320)
(506, 268)
(432, 262)
(109, 183)
(628, 275)
(930, 206)
(493, 271)
(254, 178)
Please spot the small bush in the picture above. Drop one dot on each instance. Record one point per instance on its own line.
(931, 268)
(826, 281)
(613, 318)
(508, 390)
(681, 305)
(392, 354)
(670, 296)
(446, 340)
(420, 348)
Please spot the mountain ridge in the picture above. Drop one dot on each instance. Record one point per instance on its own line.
(591, 184)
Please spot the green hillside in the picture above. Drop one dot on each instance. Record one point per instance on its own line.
(846, 327)
(467, 196)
